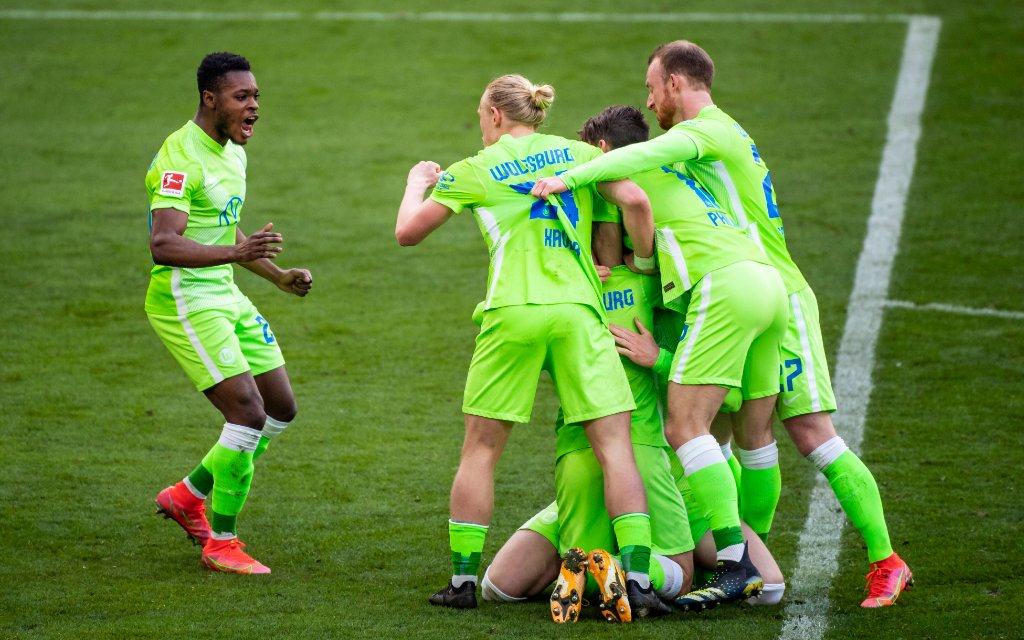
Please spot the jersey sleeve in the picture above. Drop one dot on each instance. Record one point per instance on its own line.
(172, 183)
(459, 187)
(667, 148)
(605, 211)
(710, 137)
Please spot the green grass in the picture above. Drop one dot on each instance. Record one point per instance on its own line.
(349, 507)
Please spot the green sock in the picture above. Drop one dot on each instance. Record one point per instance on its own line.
(261, 446)
(857, 492)
(716, 493)
(633, 534)
(737, 473)
(758, 498)
(657, 573)
(201, 479)
(272, 427)
(467, 544)
(232, 476)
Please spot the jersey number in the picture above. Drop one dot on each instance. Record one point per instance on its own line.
(798, 369)
(543, 210)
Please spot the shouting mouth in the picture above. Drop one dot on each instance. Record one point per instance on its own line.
(247, 125)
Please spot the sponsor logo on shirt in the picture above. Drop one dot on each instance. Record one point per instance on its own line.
(172, 183)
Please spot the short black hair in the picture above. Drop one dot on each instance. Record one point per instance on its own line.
(215, 66)
(619, 126)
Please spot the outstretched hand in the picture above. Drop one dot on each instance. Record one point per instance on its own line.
(546, 186)
(638, 347)
(295, 281)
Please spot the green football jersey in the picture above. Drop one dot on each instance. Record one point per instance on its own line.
(194, 174)
(694, 234)
(539, 251)
(625, 296)
(723, 158)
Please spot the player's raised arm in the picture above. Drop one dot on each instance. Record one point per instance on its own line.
(419, 216)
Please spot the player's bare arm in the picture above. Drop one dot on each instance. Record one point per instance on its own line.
(297, 282)
(169, 246)
(636, 216)
(419, 216)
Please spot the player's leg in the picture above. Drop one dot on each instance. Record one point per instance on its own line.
(757, 449)
(471, 506)
(261, 349)
(500, 388)
(804, 406)
(206, 346)
(528, 562)
(279, 404)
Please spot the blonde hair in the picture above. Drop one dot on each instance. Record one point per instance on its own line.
(520, 99)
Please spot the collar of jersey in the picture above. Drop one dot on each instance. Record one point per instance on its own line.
(204, 138)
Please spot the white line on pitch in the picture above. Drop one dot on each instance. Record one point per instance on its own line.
(445, 16)
(818, 549)
(952, 308)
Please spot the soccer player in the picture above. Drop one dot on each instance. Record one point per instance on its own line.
(736, 317)
(542, 311)
(725, 160)
(196, 188)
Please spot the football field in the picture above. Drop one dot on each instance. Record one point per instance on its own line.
(895, 138)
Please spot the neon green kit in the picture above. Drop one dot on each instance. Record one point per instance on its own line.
(208, 325)
(539, 260)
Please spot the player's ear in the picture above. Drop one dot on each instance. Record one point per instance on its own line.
(604, 145)
(209, 99)
(496, 116)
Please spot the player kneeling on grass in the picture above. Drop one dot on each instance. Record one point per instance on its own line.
(196, 188)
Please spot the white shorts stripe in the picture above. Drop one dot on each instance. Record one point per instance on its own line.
(705, 300)
(808, 357)
(497, 247)
(179, 301)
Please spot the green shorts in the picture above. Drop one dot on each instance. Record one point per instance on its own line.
(569, 341)
(805, 386)
(214, 344)
(584, 522)
(734, 327)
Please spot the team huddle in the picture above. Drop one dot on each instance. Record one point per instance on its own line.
(649, 278)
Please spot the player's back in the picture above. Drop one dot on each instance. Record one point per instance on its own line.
(695, 234)
(732, 169)
(540, 252)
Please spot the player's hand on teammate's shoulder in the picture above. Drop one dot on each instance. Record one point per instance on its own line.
(424, 174)
(261, 244)
(547, 186)
(603, 272)
(295, 281)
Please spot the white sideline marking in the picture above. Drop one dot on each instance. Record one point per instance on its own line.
(818, 551)
(446, 16)
(952, 308)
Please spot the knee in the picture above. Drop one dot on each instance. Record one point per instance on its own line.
(284, 413)
(810, 431)
(249, 413)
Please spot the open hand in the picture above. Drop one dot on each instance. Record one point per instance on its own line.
(638, 347)
(259, 245)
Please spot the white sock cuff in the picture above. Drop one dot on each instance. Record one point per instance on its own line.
(764, 458)
(699, 453)
(273, 427)
(239, 438)
(726, 450)
(459, 580)
(771, 594)
(827, 453)
(491, 593)
(673, 577)
(193, 490)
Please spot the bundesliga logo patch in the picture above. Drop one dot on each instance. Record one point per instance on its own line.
(172, 183)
